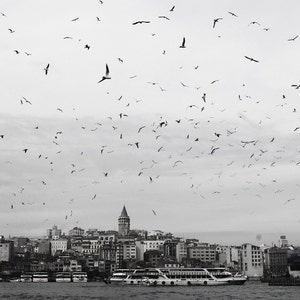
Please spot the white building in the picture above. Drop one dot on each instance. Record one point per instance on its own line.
(106, 238)
(145, 245)
(90, 245)
(181, 251)
(54, 233)
(129, 250)
(59, 245)
(251, 260)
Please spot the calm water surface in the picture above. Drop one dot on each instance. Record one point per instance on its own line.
(90, 290)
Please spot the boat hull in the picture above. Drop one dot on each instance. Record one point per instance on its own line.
(79, 277)
(175, 282)
(40, 280)
(63, 279)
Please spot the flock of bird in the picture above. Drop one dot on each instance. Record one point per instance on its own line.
(199, 154)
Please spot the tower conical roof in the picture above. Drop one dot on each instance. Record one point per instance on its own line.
(124, 213)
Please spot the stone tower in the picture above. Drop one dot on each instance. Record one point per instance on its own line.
(124, 223)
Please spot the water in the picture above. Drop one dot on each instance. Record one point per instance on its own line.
(100, 291)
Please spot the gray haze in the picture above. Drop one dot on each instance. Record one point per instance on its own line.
(217, 133)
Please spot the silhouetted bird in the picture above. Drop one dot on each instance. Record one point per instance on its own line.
(106, 75)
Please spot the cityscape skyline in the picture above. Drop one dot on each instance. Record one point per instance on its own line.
(222, 238)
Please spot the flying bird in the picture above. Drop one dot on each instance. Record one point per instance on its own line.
(183, 43)
(27, 101)
(296, 86)
(216, 21)
(141, 129)
(106, 75)
(172, 9)
(213, 150)
(154, 212)
(233, 14)
(140, 22)
(46, 69)
(75, 19)
(289, 200)
(25, 150)
(251, 59)
(254, 23)
(177, 162)
(163, 17)
(293, 39)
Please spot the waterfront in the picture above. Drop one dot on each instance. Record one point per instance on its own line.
(98, 290)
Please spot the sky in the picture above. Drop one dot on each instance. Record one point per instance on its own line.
(200, 138)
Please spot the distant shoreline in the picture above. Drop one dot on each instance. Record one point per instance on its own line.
(236, 238)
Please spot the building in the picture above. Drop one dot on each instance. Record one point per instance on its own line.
(293, 258)
(76, 231)
(6, 250)
(59, 246)
(90, 245)
(147, 245)
(251, 260)
(283, 242)
(43, 247)
(275, 261)
(92, 232)
(54, 233)
(169, 249)
(108, 237)
(153, 258)
(124, 223)
(206, 253)
(181, 251)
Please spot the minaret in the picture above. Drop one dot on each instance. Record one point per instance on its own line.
(124, 223)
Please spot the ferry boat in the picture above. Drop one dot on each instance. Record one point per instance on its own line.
(63, 277)
(120, 275)
(167, 277)
(40, 277)
(26, 278)
(14, 279)
(225, 275)
(79, 277)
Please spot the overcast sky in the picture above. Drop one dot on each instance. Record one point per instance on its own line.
(201, 138)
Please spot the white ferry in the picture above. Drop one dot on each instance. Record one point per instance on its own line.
(40, 277)
(63, 277)
(14, 280)
(26, 278)
(167, 277)
(224, 275)
(79, 277)
(120, 275)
